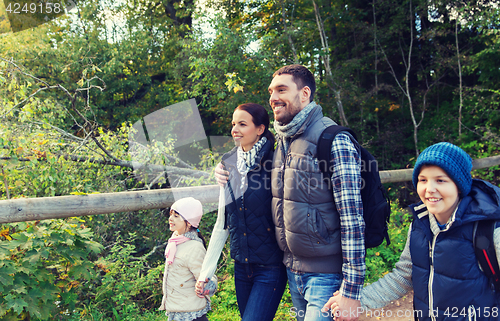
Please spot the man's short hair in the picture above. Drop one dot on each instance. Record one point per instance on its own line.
(301, 76)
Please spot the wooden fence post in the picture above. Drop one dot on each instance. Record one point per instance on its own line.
(41, 208)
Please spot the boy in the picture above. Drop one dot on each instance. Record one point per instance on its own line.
(439, 263)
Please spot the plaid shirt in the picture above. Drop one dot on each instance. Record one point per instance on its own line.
(346, 182)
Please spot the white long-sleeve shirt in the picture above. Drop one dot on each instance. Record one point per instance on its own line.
(217, 242)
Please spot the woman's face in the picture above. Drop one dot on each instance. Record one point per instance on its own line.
(244, 131)
(438, 192)
(177, 223)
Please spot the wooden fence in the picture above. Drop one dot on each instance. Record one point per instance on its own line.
(41, 208)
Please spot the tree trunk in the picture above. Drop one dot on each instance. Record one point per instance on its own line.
(460, 79)
(290, 40)
(326, 61)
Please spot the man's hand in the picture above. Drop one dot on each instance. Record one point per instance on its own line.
(200, 288)
(221, 175)
(344, 309)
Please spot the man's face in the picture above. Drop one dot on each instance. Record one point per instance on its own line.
(286, 99)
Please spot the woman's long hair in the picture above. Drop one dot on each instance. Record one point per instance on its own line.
(259, 117)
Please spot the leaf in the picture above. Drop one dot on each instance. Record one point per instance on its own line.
(32, 257)
(5, 233)
(35, 306)
(20, 290)
(237, 88)
(21, 240)
(15, 303)
(78, 193)
(48, 290)
(5, 274)
(95, 247)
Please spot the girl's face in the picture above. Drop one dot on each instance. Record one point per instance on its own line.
(177, 223)
(244, 131)
(438, 192)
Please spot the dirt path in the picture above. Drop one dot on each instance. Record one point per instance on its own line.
(398, 310)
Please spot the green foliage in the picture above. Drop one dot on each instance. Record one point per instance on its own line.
(222, 74)
(381, 260)
(225, 299)
(44, 266)
(224, 303)
(489, 146)
(128, 284)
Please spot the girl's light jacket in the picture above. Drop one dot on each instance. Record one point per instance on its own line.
(179, 279)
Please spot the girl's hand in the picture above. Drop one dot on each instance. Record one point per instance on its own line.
(200, 288)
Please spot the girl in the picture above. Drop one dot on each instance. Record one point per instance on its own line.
(245, 215)
(183, 259)
(438, 262)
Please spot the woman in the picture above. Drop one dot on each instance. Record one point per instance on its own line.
(245, 216)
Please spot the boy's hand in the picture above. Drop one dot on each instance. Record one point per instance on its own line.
(221, 175)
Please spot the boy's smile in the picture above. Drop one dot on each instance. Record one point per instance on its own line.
(438, 192)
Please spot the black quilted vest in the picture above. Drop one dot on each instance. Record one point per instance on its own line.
(248, 210)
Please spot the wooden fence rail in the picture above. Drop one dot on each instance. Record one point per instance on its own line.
(41, 208)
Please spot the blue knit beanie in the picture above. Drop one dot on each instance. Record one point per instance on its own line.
(452, 159)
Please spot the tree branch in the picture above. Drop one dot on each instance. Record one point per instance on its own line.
(103, 148)
(150, 253)
(171, 170)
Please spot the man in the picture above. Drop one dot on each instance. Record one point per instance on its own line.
(320, 229)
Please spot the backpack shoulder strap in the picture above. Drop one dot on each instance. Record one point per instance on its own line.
(324, 147)
(484, 247)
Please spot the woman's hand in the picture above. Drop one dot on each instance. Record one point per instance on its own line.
(221, 175)
(200, 288)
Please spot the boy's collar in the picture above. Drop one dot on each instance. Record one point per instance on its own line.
(422, 211)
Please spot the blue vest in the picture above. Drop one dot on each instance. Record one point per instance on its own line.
(447, 281)
(248, 210)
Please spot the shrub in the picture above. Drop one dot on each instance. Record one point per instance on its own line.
(381, 260)
(43, 265)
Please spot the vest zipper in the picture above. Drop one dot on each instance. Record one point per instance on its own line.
(283, 165)
(431, 277)
(472, 313)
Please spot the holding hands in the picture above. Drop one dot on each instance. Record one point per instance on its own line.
(200, 288)
(343, 309)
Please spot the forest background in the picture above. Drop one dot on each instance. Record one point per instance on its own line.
(403, 74)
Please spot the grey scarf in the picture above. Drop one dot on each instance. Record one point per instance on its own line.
(285, 131)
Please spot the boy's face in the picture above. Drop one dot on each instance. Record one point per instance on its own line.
(286, 99)
(438, 192)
